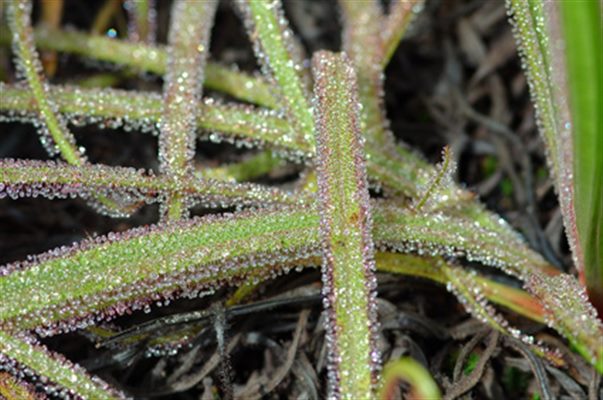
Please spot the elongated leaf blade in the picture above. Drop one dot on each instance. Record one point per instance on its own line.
(56, 277)
(55, 136)
(401, 13)
(112, 274)
(560, 44)
(149, 58)
(348, 277)
(568, 311)
(71, 287)
(26, 178)
(187, 52)
(581, 27)
(114, 108)
(142, 24)
(272, 40)
(20, 355)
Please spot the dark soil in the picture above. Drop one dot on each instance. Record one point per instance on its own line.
(454, 80)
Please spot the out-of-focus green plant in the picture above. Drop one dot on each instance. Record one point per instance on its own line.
(406, 369)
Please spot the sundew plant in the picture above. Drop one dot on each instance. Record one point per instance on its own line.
(363, 204)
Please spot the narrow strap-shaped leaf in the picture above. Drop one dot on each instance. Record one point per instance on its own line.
(470, 293)
(142, 24)
(362, 42)
(113, 274)
(348, 274)
(394, 166)
(13, 388)
(56, 138)
(546, 86)
(272, 41)
(439, 233)
(405, 232)
(441, 192)
(27, 178)
(401, 14)
(67, 288)
(568, 311)
(114, 108)
(187, 51)
(250, 168)
(393, 228)
(433, 269)
(145, 57)
(26, 358)
(438, 270)
(581, 30)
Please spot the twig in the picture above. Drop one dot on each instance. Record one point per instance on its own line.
(536, 366)
(469, 381)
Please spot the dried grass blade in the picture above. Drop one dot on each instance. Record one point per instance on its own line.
(348, 277)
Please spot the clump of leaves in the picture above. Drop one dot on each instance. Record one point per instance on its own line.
(330, 120)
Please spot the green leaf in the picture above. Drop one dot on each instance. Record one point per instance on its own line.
(109, 275)
(274, 47)
(401, 15)
(149, 58)
(142, 20)
(114, 108)
(27, 178)
(18, 353)
(349, 282)
(581, 28)
(441, 233)
(568, 311)
(56, 138)
(560, 44)
(363, 44)
(437, 270)
(187, 52)
(248, 169)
